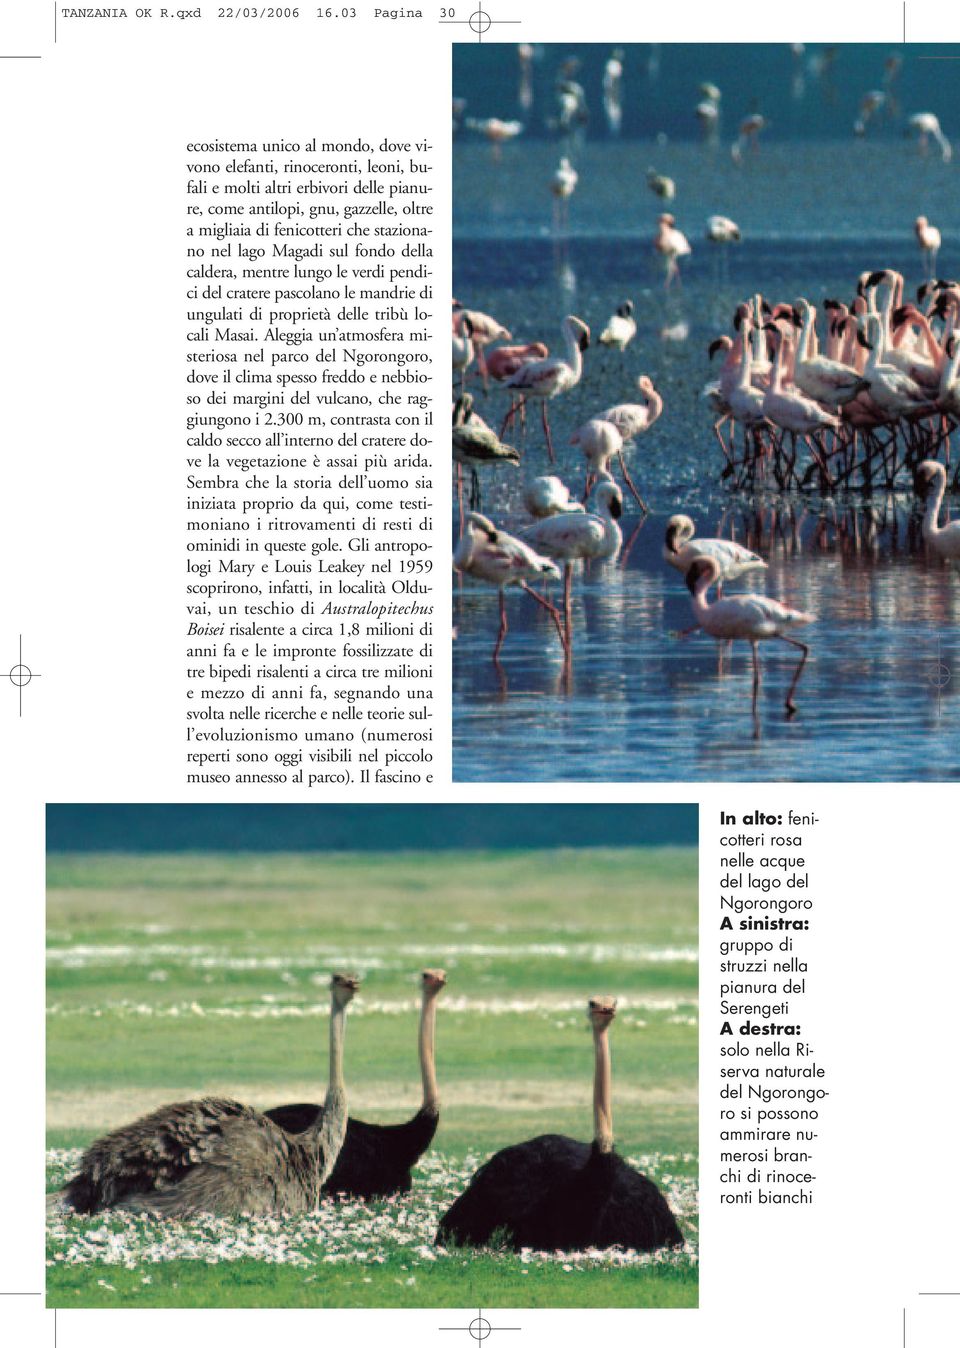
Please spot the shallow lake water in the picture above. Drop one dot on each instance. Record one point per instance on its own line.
(879, 696)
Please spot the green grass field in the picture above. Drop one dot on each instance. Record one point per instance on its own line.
(172, 976)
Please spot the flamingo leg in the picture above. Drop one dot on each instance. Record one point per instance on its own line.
(568, 606)
(756, 688)
(546, 430)
(630, 483)
(511, 413)
(503, 629)
(790, 705)
(551, 609)
(482, 367)
(460, 493)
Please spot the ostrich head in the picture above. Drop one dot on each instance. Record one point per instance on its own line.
(601, 1011)
(343, 988)
(433, 981)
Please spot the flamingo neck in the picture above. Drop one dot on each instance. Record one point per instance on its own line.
(758, 327)
(808, 336)
(950, 371)
(654, 407)
(745, 355)
(574, 354)
(602, 1105)
(930, 516)
(699, 597)
(426, 1045)
(886, 316)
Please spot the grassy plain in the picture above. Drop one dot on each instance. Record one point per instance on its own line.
(175, 975)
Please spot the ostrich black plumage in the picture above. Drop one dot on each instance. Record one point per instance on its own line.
(554, 1193)
(217, 1155)
(376, 1159)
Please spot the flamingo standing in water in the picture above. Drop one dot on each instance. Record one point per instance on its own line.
(931, 483)
(563, 184)
(928, 237)
(598, 441)
(927, 124)
(497, 558)
(631, 420)
(681, 548)
(545, 379)
(463, 350)
(496, 130)
(750, 129)
(747, 617)
(483, 330)
(546, 496)
(671, 244)
(572, 537)
(660, 185)
(721, 229)
(621, 328)
(504, 361)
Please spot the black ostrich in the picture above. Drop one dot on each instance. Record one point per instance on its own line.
(553, 1193)
(376, 1159)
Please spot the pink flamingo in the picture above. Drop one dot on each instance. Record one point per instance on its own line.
(746, 617)
(483, 330)
(504, 361)
(928, 237)
(598, 441)
(671, 244)
(497, 558)
(633, 419)
(546, 378)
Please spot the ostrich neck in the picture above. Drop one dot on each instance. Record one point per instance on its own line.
(602, 1107)
(428, 1072)
(327, 1133)
(337, 1025)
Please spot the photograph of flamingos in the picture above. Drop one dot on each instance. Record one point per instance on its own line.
(372, 1056)
(706, 412)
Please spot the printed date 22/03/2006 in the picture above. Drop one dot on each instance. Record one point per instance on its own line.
(281, 12)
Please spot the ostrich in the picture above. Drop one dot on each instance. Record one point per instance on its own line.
(216, 1155)
(376, 1160)
(553, 1193)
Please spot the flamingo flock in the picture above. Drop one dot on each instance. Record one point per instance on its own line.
(855, 395)
(853, 391)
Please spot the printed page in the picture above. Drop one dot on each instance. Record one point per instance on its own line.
(430, 889)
